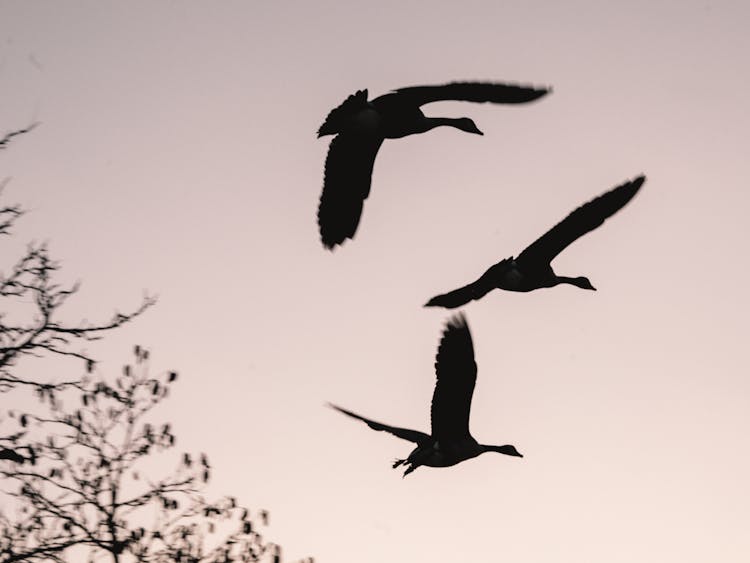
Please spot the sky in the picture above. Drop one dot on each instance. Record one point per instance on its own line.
(177, 156)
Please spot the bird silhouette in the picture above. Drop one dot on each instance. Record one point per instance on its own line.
(450, 442)
(361, 126)
(531, 269)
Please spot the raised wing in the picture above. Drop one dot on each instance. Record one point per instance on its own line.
(473, 92)
(456, 375)
(348, 173)
(586, 218)
(403, 433)
(338, 118)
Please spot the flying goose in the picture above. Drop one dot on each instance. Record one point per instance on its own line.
(360, 128)
(531, 269)
(450, 442)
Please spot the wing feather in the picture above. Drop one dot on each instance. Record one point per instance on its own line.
(586, 218)
(480, 92)
(403, 433)
(338, 118)
(456, 375)
(461, 296)
(474, 291)
(348, 173)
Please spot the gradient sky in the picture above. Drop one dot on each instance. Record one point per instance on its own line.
(177, 154)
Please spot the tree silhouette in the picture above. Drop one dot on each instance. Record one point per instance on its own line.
(8, 136)
(29, 285)
(76, 476)
(82, 483)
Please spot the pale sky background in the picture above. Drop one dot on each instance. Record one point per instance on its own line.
(177, 154)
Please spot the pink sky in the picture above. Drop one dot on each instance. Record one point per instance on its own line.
(177, 154)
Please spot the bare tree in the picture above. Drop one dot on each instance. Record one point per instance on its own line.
(75, 470)
(8, 136)
(31, 280)
(82, 483)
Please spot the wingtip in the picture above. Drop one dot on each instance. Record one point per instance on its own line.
(439, 301)
(458, 320)
(629, 188)
(636, 181)
(333, 406)
(633, 186)
(330, 245)
(541, 92)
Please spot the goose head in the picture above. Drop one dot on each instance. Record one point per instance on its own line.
(583, 283)
(468, 125)
(507, 450)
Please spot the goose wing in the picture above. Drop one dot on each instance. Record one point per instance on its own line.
(339, 117)
(403, 433)
(348, 173)
(581, 221)
(475, 290)
(480, 92)
(458, 297)
(456, 375)
(463, 295)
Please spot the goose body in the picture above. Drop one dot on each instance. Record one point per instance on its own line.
(531, 269)
(360, 127)
(450, 441)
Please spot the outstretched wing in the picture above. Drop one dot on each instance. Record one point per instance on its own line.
(473, 291)
(403, 433)
(461, 296)
(586, 218)
(456, 375)
(348, 173)
(473, 92)
(339, 117)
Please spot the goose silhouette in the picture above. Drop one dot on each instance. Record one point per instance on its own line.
(361, 126)
(531, 269)
(450, 442)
